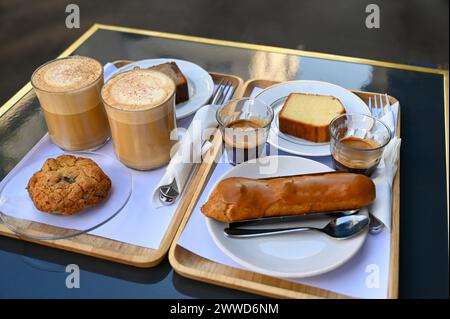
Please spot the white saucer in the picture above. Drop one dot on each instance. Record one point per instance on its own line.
(294, 255)
(200, 83)
(275, 95)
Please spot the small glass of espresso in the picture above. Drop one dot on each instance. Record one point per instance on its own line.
(244, 124)
(357, 142)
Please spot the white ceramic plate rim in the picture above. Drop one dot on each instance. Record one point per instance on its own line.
(358, 240)
(201, 84)
(302, 149)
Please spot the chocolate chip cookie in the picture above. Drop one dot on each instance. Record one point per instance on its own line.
(68, 184)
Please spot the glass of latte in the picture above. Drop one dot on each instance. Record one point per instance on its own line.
(68, 90)
(140, 105)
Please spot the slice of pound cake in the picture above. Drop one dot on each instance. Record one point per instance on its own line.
(307, 116)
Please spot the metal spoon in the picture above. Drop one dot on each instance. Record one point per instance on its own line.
(342, 228)
(375, 225)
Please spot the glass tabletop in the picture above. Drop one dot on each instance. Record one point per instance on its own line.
(423, 199)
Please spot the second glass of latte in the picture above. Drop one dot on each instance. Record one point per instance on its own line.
(140, 104)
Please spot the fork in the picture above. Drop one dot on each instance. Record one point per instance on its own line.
(378, 110)
(169, 192)
(221, 92)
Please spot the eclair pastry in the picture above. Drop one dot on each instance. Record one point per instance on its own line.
(238, 198)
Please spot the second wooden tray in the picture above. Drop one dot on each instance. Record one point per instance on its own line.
(196, 267)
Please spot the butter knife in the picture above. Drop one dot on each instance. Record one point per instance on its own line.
(289, 218)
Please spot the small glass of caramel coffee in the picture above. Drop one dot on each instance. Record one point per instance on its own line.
(68, 90)
(140, 105)
(357, 142)
(244, 124)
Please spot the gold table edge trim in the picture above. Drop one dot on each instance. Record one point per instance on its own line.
(97, 26)
(27, 87)
(262, 47)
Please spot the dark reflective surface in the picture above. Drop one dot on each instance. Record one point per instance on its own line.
(34, 271)
(30, 270)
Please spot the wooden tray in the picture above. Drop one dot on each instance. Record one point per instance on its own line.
(196, 267)
(113, 250)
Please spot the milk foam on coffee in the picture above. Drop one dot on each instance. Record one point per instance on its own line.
(67, 74)
(138, 90)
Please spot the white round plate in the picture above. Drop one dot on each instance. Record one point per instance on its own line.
(16, 207)
(277, 94)
(200, 83)
(293, 255)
